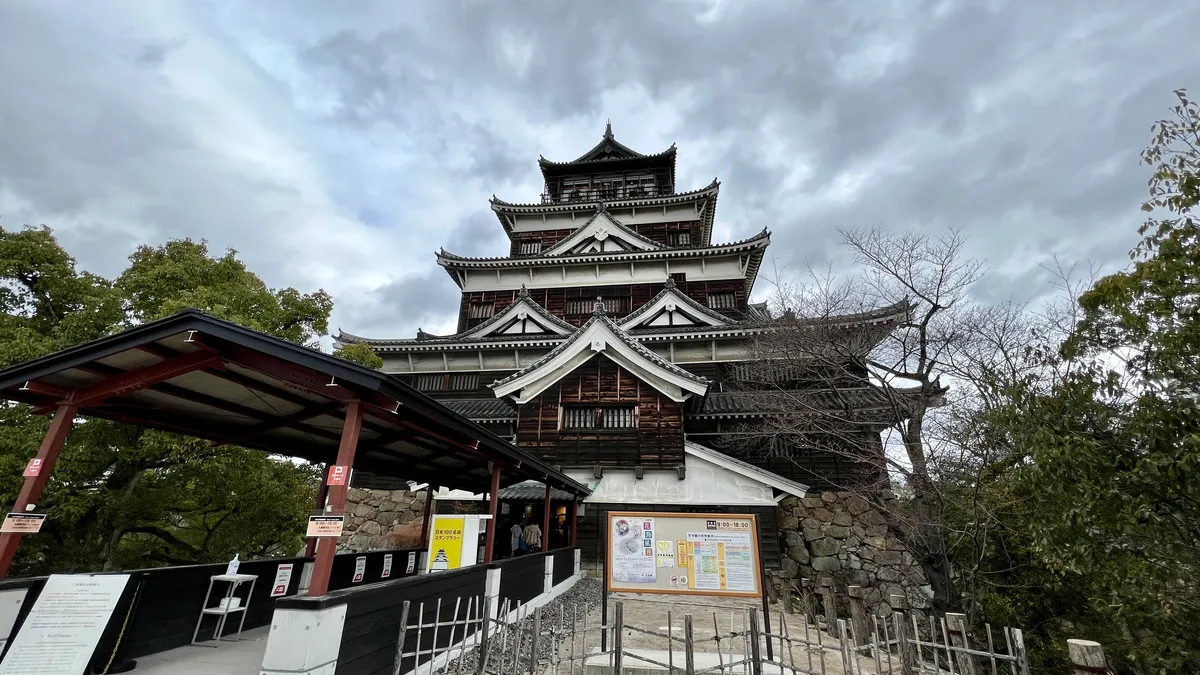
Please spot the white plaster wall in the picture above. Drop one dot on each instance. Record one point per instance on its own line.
(710, 268)
(535, 222)
(505, 360)
(705, 484)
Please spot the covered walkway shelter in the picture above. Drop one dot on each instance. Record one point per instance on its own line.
(200, 376)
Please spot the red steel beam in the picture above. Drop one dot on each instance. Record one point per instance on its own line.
(323, 385)
(493, 507)
(32, 489)
(336, 504)
(276, 423)
(130, 381)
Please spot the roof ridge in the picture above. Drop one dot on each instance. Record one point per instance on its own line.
(669, 288)
(600, 315)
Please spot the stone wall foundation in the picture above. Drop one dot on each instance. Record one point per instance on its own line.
(843, 536)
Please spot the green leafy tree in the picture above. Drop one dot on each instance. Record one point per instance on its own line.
(1106, 476)
(122, 496)
(360, 353)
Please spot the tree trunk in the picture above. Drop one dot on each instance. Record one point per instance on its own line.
(927, 542)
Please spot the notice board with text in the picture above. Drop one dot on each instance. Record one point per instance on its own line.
(683, 553)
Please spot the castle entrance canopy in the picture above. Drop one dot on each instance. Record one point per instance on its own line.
(200, 376)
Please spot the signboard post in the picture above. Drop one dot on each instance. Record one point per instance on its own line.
(66, 622)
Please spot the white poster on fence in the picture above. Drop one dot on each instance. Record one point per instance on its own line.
(62, 630)
(360, 568)
(387, 566)
(631, 557)
(283, 577)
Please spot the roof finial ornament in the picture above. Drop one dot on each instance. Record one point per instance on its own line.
(599, 310)
(524, 292)
(670, 282)
(608, 135)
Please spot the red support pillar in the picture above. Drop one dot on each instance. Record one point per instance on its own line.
(425, 516)
(327, 546)
(546, 519)
(574, 520)
(31, 491)
(310, 547)
(493, 508)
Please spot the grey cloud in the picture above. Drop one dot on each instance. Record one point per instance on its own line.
(1019, 122)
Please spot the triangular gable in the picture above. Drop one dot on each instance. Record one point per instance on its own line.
(671, 307)
(601, 336)
(607, 148)
(523, 317)
(602, 234)
(745, 469)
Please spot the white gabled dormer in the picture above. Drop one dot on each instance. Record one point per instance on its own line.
(601, 336)
(673, 308)
(602, 234)
(522, 317)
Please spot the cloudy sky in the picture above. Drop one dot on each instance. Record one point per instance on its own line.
(337, 145)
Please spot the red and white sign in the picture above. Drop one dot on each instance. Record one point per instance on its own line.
(338, 475)
(283, 577)
(412, 562)
(360, 568)
(387, 566)
(33, 468)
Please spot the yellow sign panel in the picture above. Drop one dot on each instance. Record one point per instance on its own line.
(446, 543)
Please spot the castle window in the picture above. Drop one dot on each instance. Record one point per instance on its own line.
(600, 418)
(481, 310)
(722, 301)
(464, 381)
(530, 247)
(431, 382)
(448, 382)
(617, 305)
(681, 238)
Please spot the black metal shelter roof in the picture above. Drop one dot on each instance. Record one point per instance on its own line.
(197, 375)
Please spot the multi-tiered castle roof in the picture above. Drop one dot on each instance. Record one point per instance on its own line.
(612, 321)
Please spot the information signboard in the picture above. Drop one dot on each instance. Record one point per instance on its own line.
(66, 622)
(683, 553)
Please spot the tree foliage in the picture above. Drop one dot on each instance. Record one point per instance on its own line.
(122, 496)
(360, 353)
(1109, 485)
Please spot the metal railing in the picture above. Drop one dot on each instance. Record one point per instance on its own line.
(600, 194)
(554, 640)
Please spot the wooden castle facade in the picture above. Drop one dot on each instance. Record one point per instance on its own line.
(609, 341)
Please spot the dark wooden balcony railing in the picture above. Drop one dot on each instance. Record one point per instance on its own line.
(607, 194)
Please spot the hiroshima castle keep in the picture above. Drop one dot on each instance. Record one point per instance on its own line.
(609, 341)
